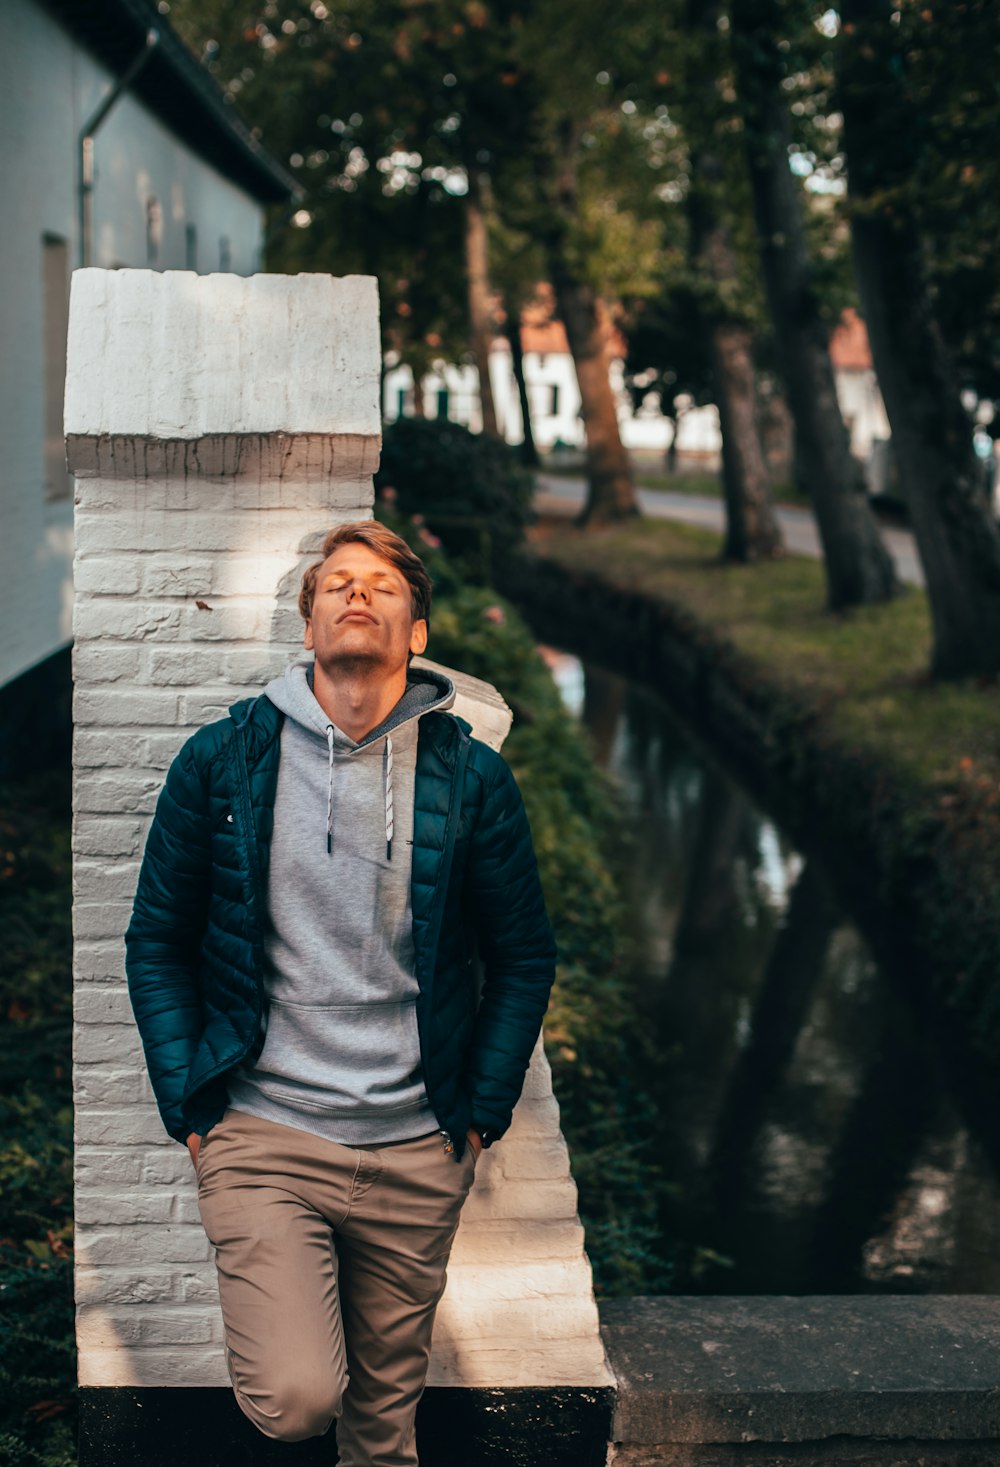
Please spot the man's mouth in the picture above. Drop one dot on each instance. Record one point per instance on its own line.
(357, 616)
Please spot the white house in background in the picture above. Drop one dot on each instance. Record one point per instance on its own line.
(550, 377)
(452, 391)
(179, 183)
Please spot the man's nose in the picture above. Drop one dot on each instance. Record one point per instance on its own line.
(357, 588)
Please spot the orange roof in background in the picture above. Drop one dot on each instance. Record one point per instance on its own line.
(541, 332)
(849, 349)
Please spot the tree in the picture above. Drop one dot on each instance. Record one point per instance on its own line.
(388, 186)
(957, 536)
(429, 97)
(562, 192)
(859, 568)
(518, 266)
(952, 57)
(477, 274)
(752, 530)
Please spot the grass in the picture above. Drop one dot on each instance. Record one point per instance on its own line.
(866, 669)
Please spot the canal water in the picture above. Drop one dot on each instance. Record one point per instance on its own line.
(813, 1139)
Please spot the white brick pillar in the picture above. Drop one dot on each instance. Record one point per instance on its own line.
(217, 427)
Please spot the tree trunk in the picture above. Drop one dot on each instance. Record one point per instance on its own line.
(859, 568)
(480, 314)
(528, 453)
(957, 536)
(777, 435)
(670, 459)
(752, 530)
(611, 492)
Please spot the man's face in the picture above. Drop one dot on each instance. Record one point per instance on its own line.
(362, 612)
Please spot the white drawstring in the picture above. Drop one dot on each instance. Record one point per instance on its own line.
(387, 772)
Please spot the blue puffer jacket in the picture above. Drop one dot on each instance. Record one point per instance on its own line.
(194, 947)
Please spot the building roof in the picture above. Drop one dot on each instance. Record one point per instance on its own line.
(178, 90)
(543, 332)
(849, 349)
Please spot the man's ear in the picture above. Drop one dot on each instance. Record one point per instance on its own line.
(418, 636)
(307, 636)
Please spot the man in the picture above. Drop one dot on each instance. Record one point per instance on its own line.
(319, 868)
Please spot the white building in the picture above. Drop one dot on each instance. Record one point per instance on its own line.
(178, 183)
(452, 391)
(550, 378)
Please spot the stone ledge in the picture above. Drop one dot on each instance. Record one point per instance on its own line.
(753, 1369)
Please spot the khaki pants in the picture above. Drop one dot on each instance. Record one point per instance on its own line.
(331, 1262)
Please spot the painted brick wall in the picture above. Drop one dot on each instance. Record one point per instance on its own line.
(198, 504)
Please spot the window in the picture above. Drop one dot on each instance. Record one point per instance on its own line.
(55, 326)
(225, 254)
(190, 247)
(442, 402)
(554, 405)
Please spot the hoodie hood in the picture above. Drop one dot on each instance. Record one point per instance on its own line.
(292, 693)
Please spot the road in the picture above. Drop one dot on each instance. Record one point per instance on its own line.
(558, 495)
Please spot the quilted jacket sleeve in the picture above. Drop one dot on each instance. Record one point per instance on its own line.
(516, 946)
(165, 933)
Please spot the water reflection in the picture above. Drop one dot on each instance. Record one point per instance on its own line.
(804, 1102)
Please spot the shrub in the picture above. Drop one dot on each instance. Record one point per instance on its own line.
(470, 488)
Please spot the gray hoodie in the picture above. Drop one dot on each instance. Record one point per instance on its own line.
(341, 1056)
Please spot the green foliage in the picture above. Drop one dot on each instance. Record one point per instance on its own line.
(383, 109)
(470, 487)
(37, 1360)
(592, 140)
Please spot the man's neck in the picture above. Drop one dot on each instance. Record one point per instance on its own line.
(357, 699)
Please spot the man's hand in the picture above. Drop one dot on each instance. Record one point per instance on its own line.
(193, 1143)
(475, 1142)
